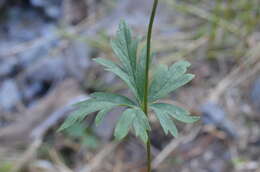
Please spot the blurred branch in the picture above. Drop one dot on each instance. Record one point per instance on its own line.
(237, 76)
(28, 155)
(97, 160)
(184, 7)
(59, 164)
(168, 149)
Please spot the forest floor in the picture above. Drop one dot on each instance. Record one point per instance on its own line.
(46, 52)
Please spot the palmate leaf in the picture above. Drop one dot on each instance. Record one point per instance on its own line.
(141, 125)
(112, 67)
(165, 113)
(140, 74)
(133, 53)
(124, 124)
(176, 112)
(166, 122)
(100, 101)
(167, 80)
(132, 118)
(85, 108)
(101, 115)
(113, 98)
(131, 69)
(125, 48)
(172, 85)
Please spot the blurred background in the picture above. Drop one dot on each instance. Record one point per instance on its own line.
(46, 52)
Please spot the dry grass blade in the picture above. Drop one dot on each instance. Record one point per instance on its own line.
(172, 146)
(189, 48)
(235, 77)
(28, 155)
(59, 164)
(97, 160)
(207, 16)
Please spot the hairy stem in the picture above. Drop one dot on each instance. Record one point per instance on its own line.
(145, 100)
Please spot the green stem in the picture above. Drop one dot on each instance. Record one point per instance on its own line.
(148, 151)
(145, 100)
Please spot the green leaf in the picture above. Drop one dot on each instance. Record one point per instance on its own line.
(173, 85)
(160, 79)
(125, 48)
(179, 68)
(100, 101)
(176, 112)
(90, 141)
(166, 122)
(131, 70)
(122, 48)
(133, 117)
(141, 125)
(76, 130)
(113, 98)
(140, 74)
(124, 123)
(101, 114)
(133, 53)
(167, 80)
(112, 67)
(85, 108)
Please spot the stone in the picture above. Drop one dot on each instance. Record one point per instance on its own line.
(2, 3)
(9, 95)
(7, 66)
(39, 78)
(77, 59)
(213, 114)
(51, 8)
(255, 93)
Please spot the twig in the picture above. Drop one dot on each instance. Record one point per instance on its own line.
(59, 164)
(236, 76)
(12, 51)
(172, 146)
(40, 130)
(28, 155)
(97, 160)
(190, 47)
(207, 16)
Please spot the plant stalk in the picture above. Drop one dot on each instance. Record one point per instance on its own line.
(146, 86)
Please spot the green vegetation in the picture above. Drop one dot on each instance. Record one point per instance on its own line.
(6, 166)
(134, 68)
